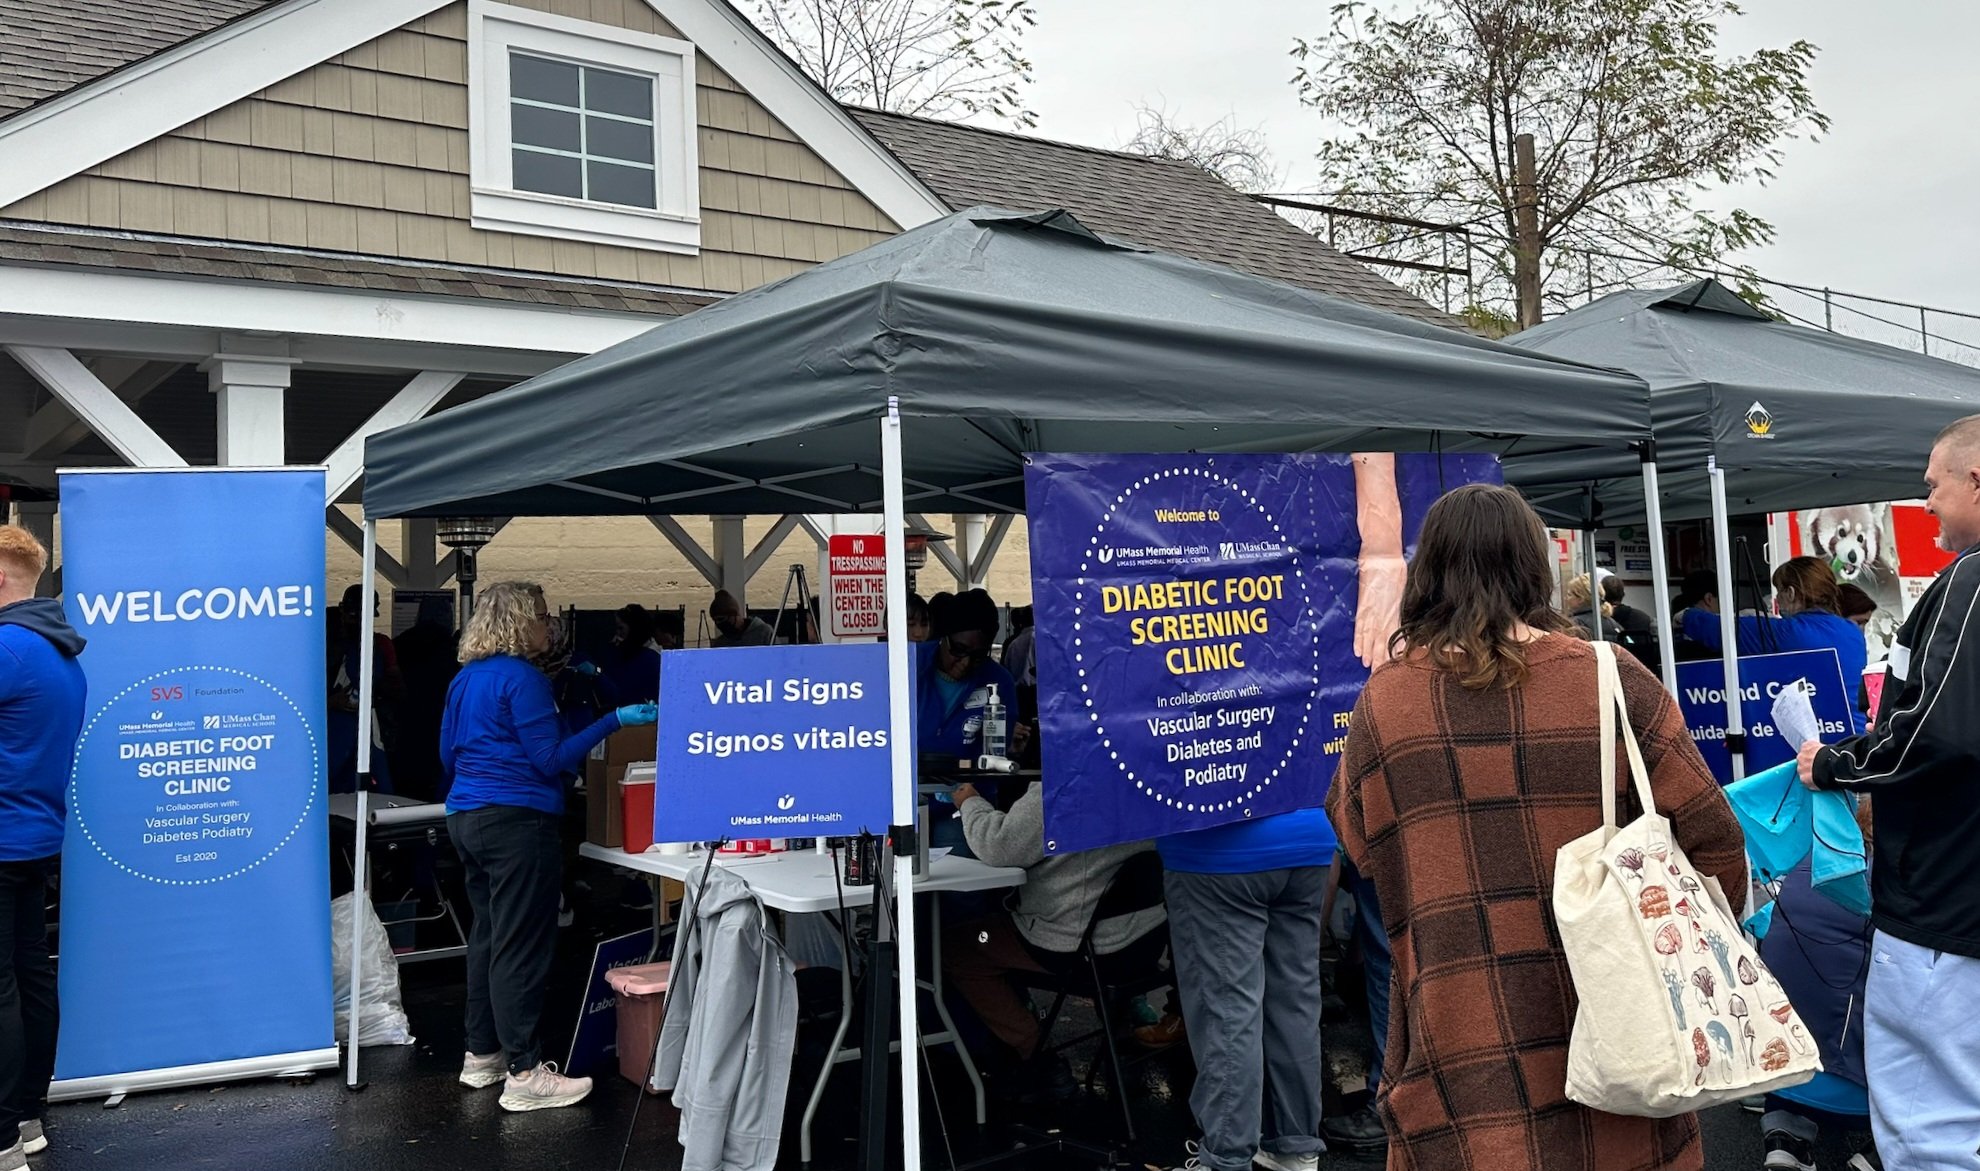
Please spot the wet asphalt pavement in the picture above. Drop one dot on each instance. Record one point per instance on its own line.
(413, 1116)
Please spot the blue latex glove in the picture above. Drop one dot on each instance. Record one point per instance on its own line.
(585, 668)
(638, 715)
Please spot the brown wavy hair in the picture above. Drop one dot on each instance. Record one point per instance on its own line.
(1811, 582)
(1481, 566)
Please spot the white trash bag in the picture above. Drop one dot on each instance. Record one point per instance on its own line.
(382, 1016)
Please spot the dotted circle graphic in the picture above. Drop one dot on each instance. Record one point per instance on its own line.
(1082, 587)
(82, 822)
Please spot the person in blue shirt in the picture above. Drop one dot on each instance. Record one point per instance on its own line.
(41, 713)
(631, 673)
(1810, 603)
(955, 678)
(504, 747)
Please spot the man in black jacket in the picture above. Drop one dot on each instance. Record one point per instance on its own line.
(1922, 763)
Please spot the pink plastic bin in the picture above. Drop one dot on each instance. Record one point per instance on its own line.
(641, 989)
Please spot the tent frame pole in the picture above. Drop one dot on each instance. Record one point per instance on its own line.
(901, 749)
(1728, 616)
(1594, 575)
(360, 881)
(1660, 568)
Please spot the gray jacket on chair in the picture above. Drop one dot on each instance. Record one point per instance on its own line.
(730, 1031)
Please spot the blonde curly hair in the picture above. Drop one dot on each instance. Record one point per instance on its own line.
(1577, 595)
(503, 617)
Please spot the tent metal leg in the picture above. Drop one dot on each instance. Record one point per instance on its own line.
(360, 880)
(1660, 569)
(1728, 617)
(1594, 575)
(901, 746)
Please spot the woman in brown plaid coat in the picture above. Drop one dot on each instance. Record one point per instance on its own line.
(1471, 760)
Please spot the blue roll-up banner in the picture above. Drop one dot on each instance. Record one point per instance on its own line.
(195, 875)
(1702, 698)
(1196, 618)
(773, 742)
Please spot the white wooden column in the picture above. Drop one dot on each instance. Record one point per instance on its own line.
(38, 517)
(969, 529)
(419, 552)
(732, 557)
(251, 378)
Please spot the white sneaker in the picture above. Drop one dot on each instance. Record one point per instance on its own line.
(478, 1073)
(1273, 1161)
(542, 1088)
(14, 1158)
(33, 1139)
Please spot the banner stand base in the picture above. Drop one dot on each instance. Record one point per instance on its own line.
(242, 1069)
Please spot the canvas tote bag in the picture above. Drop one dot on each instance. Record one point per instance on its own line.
(1677, 1012)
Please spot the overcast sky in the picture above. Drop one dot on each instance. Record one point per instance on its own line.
(1882, 206)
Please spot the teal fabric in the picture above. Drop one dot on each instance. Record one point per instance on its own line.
(1785, 823)
(1828, 1092)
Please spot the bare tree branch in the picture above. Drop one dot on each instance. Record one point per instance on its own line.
(952, 59)
(1236, 154)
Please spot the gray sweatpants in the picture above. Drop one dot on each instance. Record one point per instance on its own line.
(1247, 951)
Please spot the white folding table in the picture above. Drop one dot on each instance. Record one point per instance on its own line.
(805, 883)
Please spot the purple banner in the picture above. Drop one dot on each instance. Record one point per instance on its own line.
(1197, 619)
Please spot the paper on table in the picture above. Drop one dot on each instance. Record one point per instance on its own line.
(1794, 716)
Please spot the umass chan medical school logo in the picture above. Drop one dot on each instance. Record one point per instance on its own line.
(1759, 422)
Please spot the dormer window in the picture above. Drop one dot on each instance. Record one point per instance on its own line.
(581, 130)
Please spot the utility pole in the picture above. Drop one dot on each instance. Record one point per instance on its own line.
(1526, 221)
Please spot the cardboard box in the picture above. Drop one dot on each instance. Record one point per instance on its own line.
(603, 816)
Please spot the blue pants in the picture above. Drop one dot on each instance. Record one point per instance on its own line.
(1921, 1045)
(1375, 963)
(1247, 950)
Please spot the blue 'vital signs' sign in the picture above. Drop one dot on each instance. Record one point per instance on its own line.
(773, 742)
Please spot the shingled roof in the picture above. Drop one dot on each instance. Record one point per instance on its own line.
(26, 243)
(48, 49)
(1174, 206)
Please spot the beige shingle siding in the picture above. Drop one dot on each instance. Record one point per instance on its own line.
(368, 152)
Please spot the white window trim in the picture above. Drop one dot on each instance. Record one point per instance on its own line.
(675, 226)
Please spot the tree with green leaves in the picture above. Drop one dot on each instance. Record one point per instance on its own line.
(1633, 111)
(951, 59)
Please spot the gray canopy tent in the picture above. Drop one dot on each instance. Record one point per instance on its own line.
(999, 334)
(1794, 417)
(919, 372)
(1750, 414)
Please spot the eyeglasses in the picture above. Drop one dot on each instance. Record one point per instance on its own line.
(966, 653)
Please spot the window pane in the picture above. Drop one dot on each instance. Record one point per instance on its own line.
(538, 80)
(618, 93)
(536, 126)
(632, 186)
(548, 174)
(632, 141)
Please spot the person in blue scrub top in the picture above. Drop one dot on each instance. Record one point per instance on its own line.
(507, 752)
(1810, 603)
(631, 673)
(955, 679)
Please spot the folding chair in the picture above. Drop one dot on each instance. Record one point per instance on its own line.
(1136, 970)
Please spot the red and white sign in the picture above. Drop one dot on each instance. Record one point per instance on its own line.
(856, 585)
